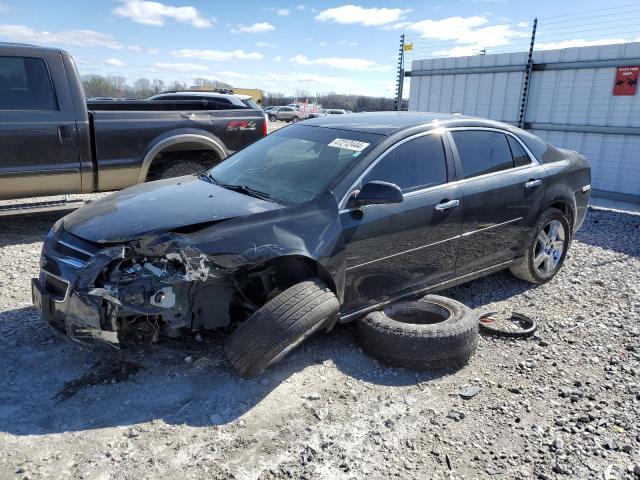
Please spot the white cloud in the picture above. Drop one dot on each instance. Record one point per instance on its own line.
(578, 42)
(322, 44)
(76, 38)
(364, 16)
(153, 51)
(4, 7)
(300, 7)
(156, 13)
(216, 55)
(260, 27)
(347, 43)
(471, 34)
(278, 58)
(134, 48)
(181, 67)
(265, 45)
(114, 62)
(230, 74)
(356, 64)
(283, 12)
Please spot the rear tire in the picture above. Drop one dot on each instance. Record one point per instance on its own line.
(543, 245)
(272, 118)
(281, 325)
(295, 120)
(179, 169)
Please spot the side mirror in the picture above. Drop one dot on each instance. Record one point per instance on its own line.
(378, 193)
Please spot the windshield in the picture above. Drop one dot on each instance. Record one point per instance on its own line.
(294, 164)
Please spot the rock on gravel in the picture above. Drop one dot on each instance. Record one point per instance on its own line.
(563, 404)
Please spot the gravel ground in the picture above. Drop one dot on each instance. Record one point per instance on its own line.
(563, 404)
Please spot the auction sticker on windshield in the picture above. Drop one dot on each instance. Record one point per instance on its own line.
(349, 144)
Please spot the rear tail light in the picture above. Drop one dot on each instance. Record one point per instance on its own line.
(265, 126)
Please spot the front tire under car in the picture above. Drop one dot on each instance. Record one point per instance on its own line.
(546, 248)
(280, 325)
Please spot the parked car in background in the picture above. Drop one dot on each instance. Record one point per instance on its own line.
(334, 111)
(244, 101)
(272, 113)
(54, 141)
(315, 223)
(289, 114)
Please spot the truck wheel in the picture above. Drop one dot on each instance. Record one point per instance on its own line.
(179, 169)
(546, 248)
(280, 325)
(433, 332)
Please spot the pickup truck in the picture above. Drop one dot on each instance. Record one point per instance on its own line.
(53, 141)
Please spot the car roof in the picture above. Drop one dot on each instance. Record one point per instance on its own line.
(27, 46)
(387, 123)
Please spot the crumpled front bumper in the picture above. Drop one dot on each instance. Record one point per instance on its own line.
(75, 315)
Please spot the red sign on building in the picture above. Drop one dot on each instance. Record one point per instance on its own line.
(626, 81)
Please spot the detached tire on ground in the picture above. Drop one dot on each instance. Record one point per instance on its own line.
(280, 325)
(430, 333)
(179, 169)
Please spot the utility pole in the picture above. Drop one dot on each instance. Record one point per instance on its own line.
(526, 85)
(400, 78)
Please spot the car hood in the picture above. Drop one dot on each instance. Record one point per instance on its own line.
(160, 206)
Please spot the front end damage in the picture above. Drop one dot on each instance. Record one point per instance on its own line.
(169, 283)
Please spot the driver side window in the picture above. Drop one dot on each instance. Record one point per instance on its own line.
(414, 165)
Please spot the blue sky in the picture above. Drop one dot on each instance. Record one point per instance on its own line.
(289, 46)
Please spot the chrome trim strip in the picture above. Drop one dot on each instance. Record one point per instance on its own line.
(586, 188)
(466, 234)
(402, 253)
(75, 247)
(71, 261)
(437, 286)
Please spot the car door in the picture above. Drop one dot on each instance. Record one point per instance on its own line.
(396, 248)
(39, 150)
(502, 188)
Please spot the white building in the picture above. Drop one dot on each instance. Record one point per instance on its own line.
(571, 103)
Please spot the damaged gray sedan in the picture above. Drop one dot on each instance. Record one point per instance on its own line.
(316, 223)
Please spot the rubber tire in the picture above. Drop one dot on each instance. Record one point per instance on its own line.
(524, 270)
(272, 118)
(445, 344)
(179, 169)
(302, 308)
(295, 120)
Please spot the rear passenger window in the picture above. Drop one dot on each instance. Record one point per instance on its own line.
(416, 164)
(25, 84)
(482, 152)
(520, 157)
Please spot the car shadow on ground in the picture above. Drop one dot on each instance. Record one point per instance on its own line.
(27, 228)
(50, 385)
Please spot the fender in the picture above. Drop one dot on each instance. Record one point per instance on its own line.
(190, 136)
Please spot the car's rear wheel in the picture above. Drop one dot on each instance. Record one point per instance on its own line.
(272, 118)
(280, 325)
(546, 248)
(180, 168)
(295, 119)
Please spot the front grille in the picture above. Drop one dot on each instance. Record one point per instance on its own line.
(73, 251)
(56, 286)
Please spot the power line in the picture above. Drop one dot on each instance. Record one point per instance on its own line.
(584, 12)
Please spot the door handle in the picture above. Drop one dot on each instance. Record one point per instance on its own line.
(65, 132)
(447, 205)
(533, 184)
(190, 116)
